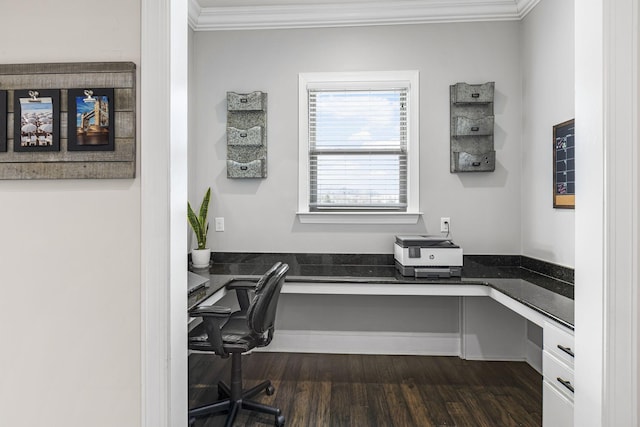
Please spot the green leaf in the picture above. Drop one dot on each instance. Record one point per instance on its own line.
(194, 221)
(199, 223)
(204, 207)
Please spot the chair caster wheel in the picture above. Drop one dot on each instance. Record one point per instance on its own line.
(270, 390)
(280, 421)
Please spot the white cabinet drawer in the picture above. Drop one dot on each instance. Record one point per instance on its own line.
(559, 341)
(558, 374)
(557, 410)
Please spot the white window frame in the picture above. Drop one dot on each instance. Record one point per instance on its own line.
(360, 80)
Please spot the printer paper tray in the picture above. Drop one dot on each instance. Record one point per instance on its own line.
(429, 272)
(434, 272)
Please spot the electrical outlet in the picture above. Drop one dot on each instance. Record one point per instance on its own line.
(219, 224)
(445, 223)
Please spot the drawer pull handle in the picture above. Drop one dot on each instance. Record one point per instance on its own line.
(566, 350)
(475, 164)
(475, 129)
(243, 135)
(475, 95)
(244, 100)
(566, 383)
(244, 168)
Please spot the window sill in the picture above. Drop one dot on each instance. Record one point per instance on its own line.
(358, 217)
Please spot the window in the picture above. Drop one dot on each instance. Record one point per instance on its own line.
(359, 147)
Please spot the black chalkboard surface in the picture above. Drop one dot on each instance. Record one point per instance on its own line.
(564, 169)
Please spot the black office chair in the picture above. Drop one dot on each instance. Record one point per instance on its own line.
(245, 289)
(225, 333)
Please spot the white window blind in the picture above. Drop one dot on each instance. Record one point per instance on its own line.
(358, 149)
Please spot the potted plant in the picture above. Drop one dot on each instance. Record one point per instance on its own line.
(200, 257)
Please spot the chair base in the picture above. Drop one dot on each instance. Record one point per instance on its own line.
(234, 406)
(234, 399)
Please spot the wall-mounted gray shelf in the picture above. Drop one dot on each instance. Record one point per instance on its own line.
(246, 135)
(471, 112)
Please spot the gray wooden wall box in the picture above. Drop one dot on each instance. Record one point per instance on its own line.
(471, 112)
(119, 163)
(246, 135)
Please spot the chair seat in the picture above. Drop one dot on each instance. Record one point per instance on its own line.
(236, 336)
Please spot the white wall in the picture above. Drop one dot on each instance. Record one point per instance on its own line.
(194, 197)
(70, 250)
(636, 353)
(548, 98)
(195, 194)
(260, 214)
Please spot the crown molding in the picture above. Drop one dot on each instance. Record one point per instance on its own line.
(194, 13)
(525, 6)
(389, 12)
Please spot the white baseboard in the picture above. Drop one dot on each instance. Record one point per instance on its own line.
(534, 356)
(357, 342)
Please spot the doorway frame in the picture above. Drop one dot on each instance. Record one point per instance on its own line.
(164, 182)
(607, 296)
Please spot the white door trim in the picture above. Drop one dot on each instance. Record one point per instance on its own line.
(606, 293)
(163, 111)
(621, 213)
(606, 215)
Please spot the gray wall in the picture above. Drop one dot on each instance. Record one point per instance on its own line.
(260, 214)
(548, 99)
(369, 313)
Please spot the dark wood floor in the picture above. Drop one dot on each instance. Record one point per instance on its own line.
(360, 390)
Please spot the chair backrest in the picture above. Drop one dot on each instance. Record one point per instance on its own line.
(266, 276)
(262, 312)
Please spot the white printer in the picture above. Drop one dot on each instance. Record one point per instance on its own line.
(427, 256)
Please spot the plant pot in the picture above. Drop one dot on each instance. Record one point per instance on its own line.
(200, 258)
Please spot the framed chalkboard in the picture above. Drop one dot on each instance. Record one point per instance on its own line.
(564, 165)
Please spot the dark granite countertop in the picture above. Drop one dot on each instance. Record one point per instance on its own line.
(547, 295)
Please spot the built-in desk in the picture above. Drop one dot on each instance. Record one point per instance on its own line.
(541, 297)
(346, 307)
(468, 338)
(348, 279)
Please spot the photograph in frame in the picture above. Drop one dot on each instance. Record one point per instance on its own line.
(564, 165)
(36, 120)
(91, 120)
(3, 121)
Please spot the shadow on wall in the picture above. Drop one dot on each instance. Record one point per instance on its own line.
(495, 179)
